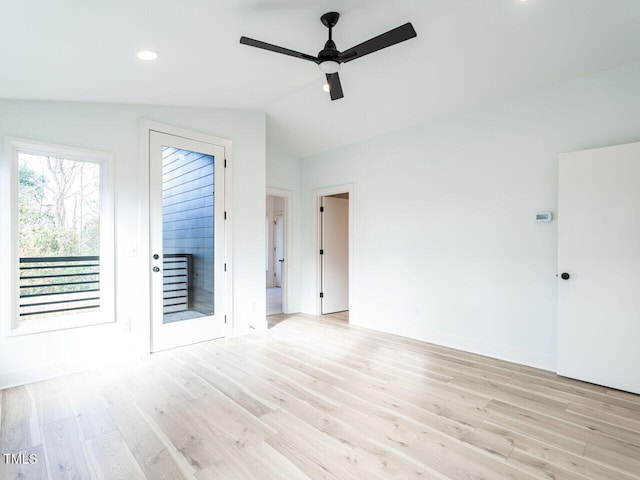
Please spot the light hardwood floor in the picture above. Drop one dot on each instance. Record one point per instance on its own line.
(315, 398)
(274, 300)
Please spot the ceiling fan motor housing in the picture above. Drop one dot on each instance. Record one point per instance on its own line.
(329, 58)
(329, 52)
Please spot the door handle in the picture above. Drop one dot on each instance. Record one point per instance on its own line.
(156, 269)
(281, 260)
(565, 276)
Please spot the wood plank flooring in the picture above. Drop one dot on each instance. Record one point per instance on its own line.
(274, 300)
(314, 398)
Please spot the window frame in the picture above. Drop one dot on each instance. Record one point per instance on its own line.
(106, 312)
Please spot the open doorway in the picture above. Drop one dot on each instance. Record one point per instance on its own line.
(334, 255)
(275, 230)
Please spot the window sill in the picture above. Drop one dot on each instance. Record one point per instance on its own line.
(44, 325)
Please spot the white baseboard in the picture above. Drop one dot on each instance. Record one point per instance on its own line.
(45, 372)
(501, 352)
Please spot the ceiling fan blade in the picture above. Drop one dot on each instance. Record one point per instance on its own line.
(335, 87)
(397, 35)
(274, 48)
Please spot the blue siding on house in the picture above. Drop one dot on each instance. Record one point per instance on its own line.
(188, 219)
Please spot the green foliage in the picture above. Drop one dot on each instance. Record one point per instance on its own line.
(35, 223)
(39, 236)
(91, 238)
(29, 178)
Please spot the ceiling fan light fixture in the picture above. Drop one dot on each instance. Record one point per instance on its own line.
(325, 87)
(329, 66)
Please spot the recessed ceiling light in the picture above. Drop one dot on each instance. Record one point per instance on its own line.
(147, 55)
(325, 87)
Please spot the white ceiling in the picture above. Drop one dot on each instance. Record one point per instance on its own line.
(467, 53)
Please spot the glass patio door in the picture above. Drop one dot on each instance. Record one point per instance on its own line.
(187, 241)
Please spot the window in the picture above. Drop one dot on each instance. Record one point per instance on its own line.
(63, 237)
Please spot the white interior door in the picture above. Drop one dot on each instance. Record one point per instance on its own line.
(278, 240)
(335, 254)
(187, 240)
(599, 251)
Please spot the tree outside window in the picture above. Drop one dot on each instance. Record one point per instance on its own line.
(59, 207)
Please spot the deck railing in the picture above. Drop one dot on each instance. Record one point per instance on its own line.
(177, 270)
(58, 285)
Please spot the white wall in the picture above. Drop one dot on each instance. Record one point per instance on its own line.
(115, 129)
(446, 248)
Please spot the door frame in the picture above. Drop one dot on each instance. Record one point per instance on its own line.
(142, 249)
(318, 194)
(287, 195)
(276, 260)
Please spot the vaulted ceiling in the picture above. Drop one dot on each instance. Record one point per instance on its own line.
(467, 53)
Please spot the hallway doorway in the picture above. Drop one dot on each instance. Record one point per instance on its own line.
(334, 253)
(275, 252)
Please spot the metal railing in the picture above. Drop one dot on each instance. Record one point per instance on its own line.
(177, 269)
(58, 285)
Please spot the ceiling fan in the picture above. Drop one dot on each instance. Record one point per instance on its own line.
(329, 59)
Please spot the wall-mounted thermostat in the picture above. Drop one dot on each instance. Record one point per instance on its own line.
(542, 217)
